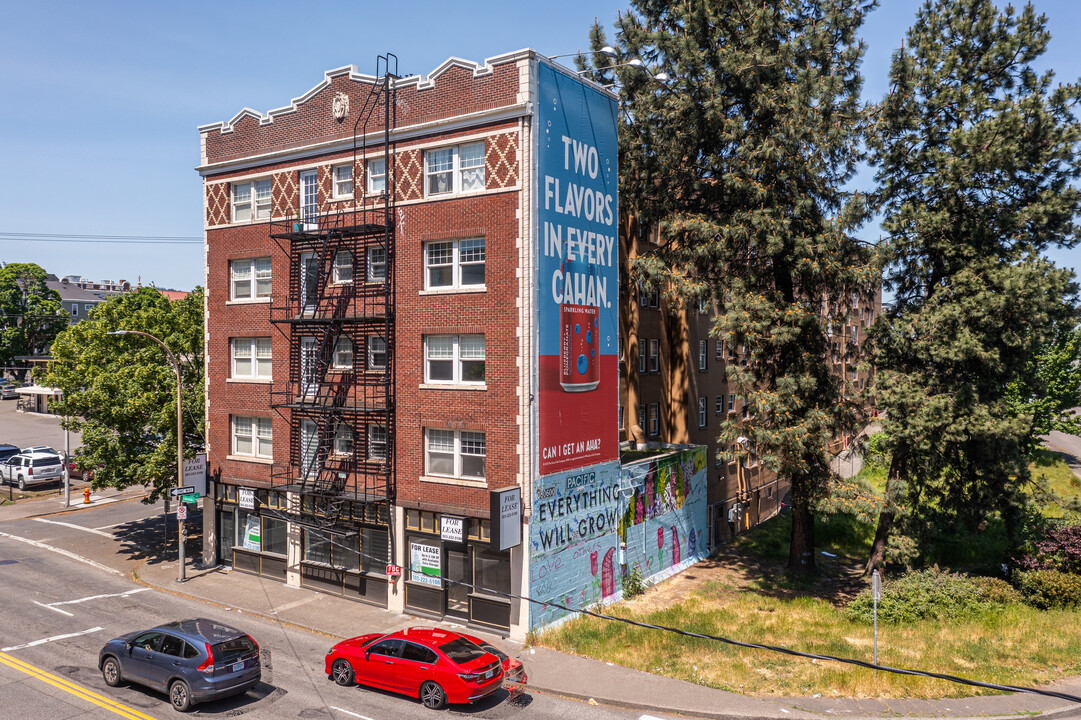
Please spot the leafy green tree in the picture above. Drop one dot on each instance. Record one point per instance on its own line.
(742, 158)
(1049, 390)
(32, 313)
(976, 155)
(120, 391)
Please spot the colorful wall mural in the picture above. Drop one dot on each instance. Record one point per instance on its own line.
(592, 525)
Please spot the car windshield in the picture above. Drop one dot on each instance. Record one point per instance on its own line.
(461, 650)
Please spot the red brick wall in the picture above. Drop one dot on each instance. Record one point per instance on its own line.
(455, 92)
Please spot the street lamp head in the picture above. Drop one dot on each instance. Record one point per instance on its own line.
(662, 77)
(119, 332)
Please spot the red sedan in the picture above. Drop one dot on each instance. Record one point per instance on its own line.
(436, 666)
(514, 674)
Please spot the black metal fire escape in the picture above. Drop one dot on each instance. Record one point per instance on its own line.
(339, 318)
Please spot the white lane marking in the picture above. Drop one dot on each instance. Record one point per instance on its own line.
(98, 597)
(76, 527)
(348, 712)
(50, 607)
(51, 639)
(648, 717)
(295, 603)
(63, 552)
(106, 527)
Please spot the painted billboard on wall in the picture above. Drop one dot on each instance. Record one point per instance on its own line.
(578, 273)
(592, 525)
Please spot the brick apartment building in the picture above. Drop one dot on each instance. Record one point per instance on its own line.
(372, 309)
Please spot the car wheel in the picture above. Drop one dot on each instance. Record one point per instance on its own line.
(433, 696)
(22, 483)
(110, 670)
(180, 696)
(342, 672)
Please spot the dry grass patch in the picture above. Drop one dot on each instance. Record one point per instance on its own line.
(1018, 646)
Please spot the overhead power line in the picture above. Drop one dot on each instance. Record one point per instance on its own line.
(102, 239)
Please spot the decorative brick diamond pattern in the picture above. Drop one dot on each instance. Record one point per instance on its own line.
(285, 194)
(410, 176)
(501, 161)
(326, 185)
(217, 204)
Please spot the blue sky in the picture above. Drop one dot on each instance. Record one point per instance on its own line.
(101, 101)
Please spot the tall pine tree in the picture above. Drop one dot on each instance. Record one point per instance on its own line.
(741, 158)
(976, 153)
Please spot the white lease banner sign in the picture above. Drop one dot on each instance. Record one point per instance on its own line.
(451, 529)
(195, 474)
(246, 498)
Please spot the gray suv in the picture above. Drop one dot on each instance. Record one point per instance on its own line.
(190, 660)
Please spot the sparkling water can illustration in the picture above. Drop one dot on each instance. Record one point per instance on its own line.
(579, 347)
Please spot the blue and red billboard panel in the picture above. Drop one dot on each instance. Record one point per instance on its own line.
(578, 273)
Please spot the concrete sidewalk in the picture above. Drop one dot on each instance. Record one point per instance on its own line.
(549, 671)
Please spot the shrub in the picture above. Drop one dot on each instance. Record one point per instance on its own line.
(1058, 549)
(633, 584)
(1047, 589)
(930, 595)
(996, 590)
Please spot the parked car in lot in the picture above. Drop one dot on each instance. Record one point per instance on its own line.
(7, 451)
(41, 449)
(34, 468)
(7, 392)
(192, 661)
(436, 666)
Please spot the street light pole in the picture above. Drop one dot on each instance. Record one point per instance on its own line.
(182, 577)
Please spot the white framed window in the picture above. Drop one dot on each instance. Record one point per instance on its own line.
(377, 353)
(249, 279)
(343, 354)
(343, 439)
(701, 412)
(731, 402)
(377, 264)
(454, 453)
(377, 442)
(253, 436)
(343, 266)
(75, 309)
(643, 294)
(641, 414)
(456, 169)
(720, 350)
(703, 305)
(654, 355)
(87, 307)
(251, 201)
(252, 357)
(701, 354)
(454, 359)
(641, 356)
(654, 419)
(454, 263)
(720, 404)
(343, 181)
(377, 176)
(654, 298)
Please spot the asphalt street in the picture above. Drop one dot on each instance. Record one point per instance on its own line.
(61, 607)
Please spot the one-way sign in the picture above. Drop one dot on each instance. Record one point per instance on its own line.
(177, 492)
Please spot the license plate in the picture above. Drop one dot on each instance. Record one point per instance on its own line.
(488, 674)
(237, 666)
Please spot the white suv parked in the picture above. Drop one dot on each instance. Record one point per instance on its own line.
(33, 468)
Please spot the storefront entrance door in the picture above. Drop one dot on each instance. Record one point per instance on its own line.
(456, 565)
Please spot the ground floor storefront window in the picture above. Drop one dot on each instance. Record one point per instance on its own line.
(350, 560)
(452, 572)
(251, 539)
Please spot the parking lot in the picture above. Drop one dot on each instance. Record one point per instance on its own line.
(23, 429)
(26, 429)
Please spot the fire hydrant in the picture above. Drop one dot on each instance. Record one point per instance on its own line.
(86, 496)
